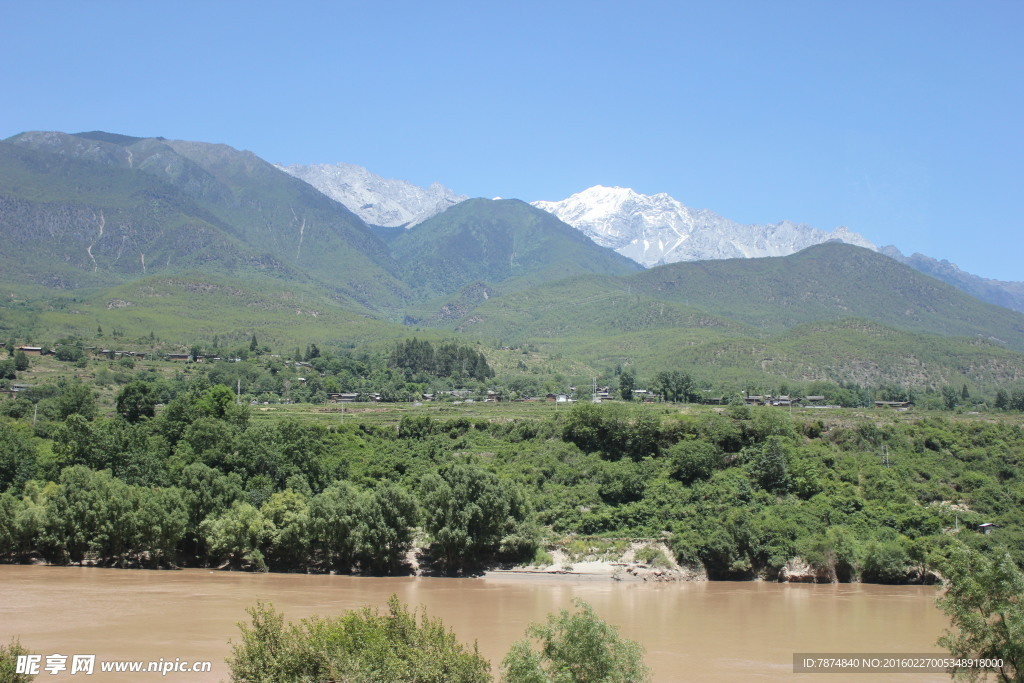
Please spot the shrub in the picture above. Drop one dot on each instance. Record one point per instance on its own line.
(8, 663)
(653, 556)
(361, 646)
(575, 648)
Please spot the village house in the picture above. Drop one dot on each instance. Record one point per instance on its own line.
(894, 404)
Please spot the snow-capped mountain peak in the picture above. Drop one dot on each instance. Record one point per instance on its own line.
(655, 229)
(377, 200)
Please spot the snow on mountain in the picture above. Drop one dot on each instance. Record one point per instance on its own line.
(656, 229)
(377, 200)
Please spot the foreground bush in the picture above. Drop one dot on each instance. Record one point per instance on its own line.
(575, 648)
(358, 647)
(9, 663)
(983, 601)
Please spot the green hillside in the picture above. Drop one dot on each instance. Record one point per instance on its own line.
(189, 240)
(500, 241)
(830, 282)
(83, 210)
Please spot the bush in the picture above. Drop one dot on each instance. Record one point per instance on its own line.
(361, 646)
(575, 648)
(983, 602)
(8, 663)
(693, 460)
(653, 556)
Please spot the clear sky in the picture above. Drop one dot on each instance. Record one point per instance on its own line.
(901, 119)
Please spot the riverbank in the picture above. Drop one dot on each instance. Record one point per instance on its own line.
(639, 561)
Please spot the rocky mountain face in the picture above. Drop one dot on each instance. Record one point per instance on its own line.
(657, 229)
(378, 201)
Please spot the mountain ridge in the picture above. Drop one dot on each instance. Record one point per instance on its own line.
(658, 229)
(379, 201)
(198, 239)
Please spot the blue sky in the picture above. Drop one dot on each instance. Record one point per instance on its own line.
(901, 120)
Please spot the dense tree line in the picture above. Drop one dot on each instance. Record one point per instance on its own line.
(200, 483)
(738, 490)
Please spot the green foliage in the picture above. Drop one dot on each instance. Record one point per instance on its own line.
(469, 512)
(576, 647)
(9, 654)
(361, 646)
(769, 465)
(73, 396)
(447, 360)
(612, 429)
(983, 600)
(653, 556)
(238, 535)
(18, 456)
(885, 560)
(693, 460)
(136, 401)
(94, 512)
(674, 385)
(627, 382)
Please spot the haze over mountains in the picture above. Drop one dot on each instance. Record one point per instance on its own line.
(190, 238)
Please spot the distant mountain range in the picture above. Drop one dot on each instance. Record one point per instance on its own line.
(192, 239)
(649, 229)
(657, 229)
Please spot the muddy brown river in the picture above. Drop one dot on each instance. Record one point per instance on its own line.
(691, 631)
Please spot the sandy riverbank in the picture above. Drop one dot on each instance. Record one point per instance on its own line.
(633, 564)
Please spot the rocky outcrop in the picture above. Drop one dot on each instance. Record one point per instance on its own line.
(798, 570)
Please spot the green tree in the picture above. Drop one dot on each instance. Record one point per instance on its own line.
(950, 397)
(674, 385)
(17, 456)
(77, 442)
(627, 382)
(769, 466)
(575, 647)
(334, 516)
(468, 511)
(136, 401)
(288, 514)
(692, 460)
(90, 511)
(239, 534)
(361, 646)
(216, 401)
(387, 517)
(1002, 400)
(73, 396)
(20, 361)
(983, 600)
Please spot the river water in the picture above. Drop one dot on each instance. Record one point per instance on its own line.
(691, 631)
